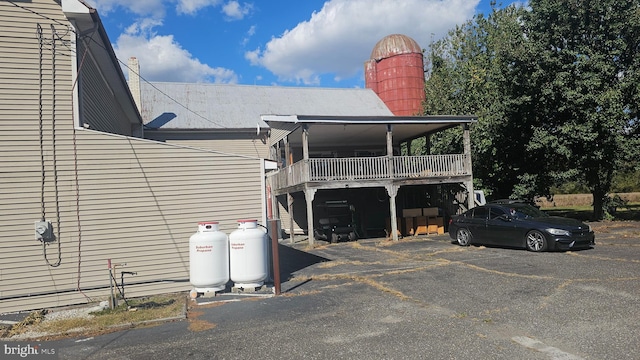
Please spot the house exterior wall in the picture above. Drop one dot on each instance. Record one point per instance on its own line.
(130, 200)
(246, 144)
(253, 148)
(107, 196)
(300, 213)
(98, 103)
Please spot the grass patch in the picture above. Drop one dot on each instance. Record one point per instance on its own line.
(630, 212)
(138, 311)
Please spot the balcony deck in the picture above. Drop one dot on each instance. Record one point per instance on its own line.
(369, 171)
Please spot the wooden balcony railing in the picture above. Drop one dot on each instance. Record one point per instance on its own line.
(371, 168)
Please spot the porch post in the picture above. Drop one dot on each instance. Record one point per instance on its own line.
(305, 141)
(291, 222)
(309, 194)
(288, 162)
(305, 153)
(392, 190)
(467, 151)
(390, 149)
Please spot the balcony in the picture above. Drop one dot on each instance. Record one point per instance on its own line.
(321, 172)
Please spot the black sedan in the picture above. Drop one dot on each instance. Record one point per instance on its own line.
(519, 225)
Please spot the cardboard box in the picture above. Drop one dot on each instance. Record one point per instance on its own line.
(411, 212)
(431, 211)
(421, 225)
(409, 226)
(439, 222)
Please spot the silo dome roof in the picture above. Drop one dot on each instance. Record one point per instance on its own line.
(395, 44)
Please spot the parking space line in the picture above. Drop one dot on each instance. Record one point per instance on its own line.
(554, 353)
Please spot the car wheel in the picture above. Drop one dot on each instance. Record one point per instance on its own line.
(463, 237)
(536, 241)
(334, 238)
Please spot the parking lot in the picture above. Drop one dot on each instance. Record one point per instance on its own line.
(419, 298)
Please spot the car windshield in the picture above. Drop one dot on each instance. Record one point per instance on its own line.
(523, 211)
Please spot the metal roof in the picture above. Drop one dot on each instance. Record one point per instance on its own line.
(395, 44)
(190, 106)
(363, 130)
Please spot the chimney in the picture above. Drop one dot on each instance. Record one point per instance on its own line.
(134, 81)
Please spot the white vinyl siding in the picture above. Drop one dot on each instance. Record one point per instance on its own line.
(136, 202)
(300, 211)
(231, 142)
(108, 196)
(98, 103)
(254, 148)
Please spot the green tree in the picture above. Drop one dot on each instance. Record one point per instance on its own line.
(469, 74)
(584, 72)
(555, 87)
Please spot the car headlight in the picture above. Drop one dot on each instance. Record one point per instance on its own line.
(558, 232)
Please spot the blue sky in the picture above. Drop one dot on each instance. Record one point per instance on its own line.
(274, 42)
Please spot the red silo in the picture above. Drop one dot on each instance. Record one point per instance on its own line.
(395, 72)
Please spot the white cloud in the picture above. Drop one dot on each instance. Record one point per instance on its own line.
(161, 58)
(190, 7)
(234, 11)
(154, 8)
(250, 33)
(339, 38)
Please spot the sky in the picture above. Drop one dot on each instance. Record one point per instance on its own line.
(322, 43)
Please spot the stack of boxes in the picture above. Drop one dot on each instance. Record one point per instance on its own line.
(422, 221)
(419, 221)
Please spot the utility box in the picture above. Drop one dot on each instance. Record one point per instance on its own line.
(44, 231)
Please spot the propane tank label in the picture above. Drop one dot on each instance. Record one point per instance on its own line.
(237, 246)
(204, 248)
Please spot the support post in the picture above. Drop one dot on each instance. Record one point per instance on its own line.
(291, 222)
(309, 194)
(390, 150)
(289, 162)
(305, 153)
(392, 190)
(275, 258)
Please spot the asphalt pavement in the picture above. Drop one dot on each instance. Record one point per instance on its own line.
(419, 298)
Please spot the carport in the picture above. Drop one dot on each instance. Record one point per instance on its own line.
(351, 152)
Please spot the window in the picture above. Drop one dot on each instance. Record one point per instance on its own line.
(495, 212)
(480, 213)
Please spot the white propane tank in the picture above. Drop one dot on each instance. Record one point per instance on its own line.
(208, 259)
(248, 255)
